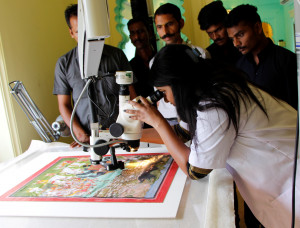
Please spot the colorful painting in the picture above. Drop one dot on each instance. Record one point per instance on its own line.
(146, 178)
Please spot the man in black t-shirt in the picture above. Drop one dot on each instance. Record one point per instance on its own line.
(211, 19)
(269, 66)
(139, 34)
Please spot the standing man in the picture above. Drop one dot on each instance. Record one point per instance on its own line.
(68, 85)
(139, 34)
(168, 22)
(269, 66)
(211, 19)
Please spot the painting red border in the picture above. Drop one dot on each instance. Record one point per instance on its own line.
(160, 196)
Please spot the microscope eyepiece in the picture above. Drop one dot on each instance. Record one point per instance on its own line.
(156, 96)
(152, 98)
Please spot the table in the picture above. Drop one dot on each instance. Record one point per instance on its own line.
(208, 202)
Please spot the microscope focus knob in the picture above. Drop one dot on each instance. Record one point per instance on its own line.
(116, 130)
(102, 150)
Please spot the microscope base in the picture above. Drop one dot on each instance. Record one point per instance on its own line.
(113, 164)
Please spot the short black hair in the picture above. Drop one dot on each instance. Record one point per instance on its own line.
(212, 14)
(138, 19)
(70, 11)
(242, 13)
(169, 8)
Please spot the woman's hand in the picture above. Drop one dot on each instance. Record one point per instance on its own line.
(150, 115)
(145, 112)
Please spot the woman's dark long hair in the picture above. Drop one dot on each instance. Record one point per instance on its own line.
(195, 80)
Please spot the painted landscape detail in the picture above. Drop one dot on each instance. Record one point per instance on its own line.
(74, 177)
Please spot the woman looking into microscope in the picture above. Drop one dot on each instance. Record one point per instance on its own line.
(232, 124)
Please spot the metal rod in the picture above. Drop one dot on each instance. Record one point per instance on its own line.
(32, 112)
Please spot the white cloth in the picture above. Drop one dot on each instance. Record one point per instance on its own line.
(167, 109)
(260, 158)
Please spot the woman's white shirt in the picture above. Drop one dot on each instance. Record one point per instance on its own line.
(260, 158)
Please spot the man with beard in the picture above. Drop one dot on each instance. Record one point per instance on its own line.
(139, 34)
(211, 18)
(269, 66)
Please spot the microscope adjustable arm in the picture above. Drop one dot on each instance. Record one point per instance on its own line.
(32, 112)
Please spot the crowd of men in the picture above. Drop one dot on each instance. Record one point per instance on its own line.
(238, 40)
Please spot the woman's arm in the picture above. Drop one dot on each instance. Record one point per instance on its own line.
(150, 115)
(179, 151)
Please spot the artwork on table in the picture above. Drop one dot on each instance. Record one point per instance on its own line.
(146, 178)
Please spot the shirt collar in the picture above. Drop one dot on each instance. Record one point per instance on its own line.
(263, 53)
